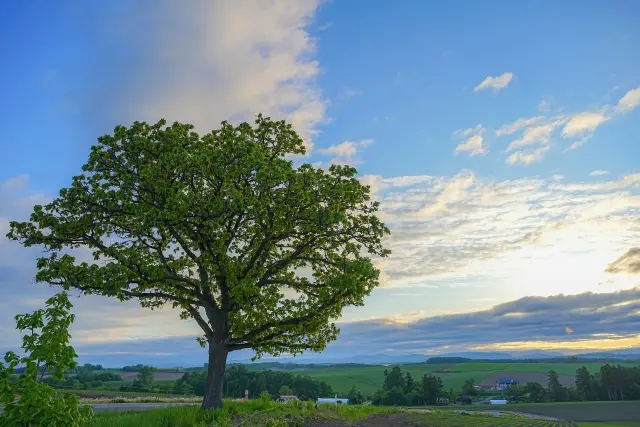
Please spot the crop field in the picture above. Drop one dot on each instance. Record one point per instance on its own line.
(368, 379)
(617, 411)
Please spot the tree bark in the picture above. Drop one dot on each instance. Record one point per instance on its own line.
(218, 353)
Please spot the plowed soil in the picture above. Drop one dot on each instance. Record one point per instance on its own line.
(392, 420)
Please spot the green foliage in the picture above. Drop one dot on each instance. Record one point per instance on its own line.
(408, 383)
(217, 226)
(431, 389)
(253, 413)
(557, 393)
(27, 401)
(238, 379)
(355, 397)
(284, 391)
(394, 379)
(469, 387)
(265, 397)
(453, 395)
(535, 392)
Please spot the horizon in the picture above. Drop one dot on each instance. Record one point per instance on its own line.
(501, 150)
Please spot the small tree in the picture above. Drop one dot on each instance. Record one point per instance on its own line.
(393, 379)
(453, 395)
(557, 392)
(469, 387)
(355, 397)
(261, 254)
(409, 383)
(144, 379)
(535, 392)
(431, 388)
(28, 401)
(284, 390)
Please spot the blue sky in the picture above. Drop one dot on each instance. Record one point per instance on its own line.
(502, 142)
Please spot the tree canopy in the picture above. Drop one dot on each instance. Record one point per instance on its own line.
(260, 253)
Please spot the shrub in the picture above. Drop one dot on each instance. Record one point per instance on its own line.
(28, 401)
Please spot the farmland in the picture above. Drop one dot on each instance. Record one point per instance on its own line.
(368, 379)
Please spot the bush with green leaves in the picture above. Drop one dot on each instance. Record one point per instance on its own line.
(27, 400)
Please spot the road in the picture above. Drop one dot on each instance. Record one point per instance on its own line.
(121, 407)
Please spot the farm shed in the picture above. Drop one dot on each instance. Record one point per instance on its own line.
(333, 400)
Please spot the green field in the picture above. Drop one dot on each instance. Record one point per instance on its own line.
(368, 379)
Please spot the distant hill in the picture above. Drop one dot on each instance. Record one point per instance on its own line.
(198, 359)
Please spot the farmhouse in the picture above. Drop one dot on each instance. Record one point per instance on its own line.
(287, 398)
(505, 383)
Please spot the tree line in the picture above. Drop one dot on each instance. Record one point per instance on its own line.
(239, 378)
(400, 389)
(611, 382)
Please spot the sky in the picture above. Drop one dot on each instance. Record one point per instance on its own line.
(502, 142)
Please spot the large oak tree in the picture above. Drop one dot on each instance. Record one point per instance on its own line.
(261, 254)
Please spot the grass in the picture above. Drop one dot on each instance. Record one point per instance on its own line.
(252, 413)
(141, 399)
(266, 413)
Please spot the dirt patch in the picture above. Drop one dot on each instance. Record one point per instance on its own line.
(392, 420)
(525, 377)
(158, 376)
(616, 411)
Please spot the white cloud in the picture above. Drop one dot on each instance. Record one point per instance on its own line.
(474, 145)
(629, 101)
(519, 124)
(345, 153)
(582, 123)
(534, 135)
(464, 227)
(474, 142)
(217, 60)
(578, 143)
(496, 83)
(465, 133)
(598, 172)
(528, 158)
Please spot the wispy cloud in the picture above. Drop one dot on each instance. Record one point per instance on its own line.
(628, 263)
(538, 131)
(630, 101)
(578, 143)
(528, 158)
(544, 106)
(456, 227)
(346, 152)
(496, 83)
(598, 172)
(582, 123)
(518, 125)
(474, 141)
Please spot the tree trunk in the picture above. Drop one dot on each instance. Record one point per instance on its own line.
(215, 376)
